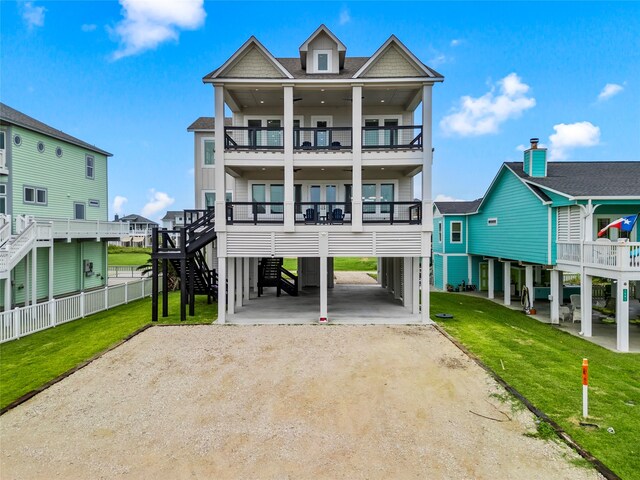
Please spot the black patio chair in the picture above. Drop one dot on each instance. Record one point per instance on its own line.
(337, 216)
(310, 216)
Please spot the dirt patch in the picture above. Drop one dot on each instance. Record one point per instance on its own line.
(353, 278)
(278, 402)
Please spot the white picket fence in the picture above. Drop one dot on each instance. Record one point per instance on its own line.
(124, 271)
(23, 321)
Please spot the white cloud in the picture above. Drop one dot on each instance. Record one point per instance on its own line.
(572, 135)
(522, 147)
(88, 27)
(159, 201)
(438, 59)
(32, 15)
(485, 114)
(148, 23)
(609, 90)
(345, 16)
(118, 203)
(455, 42)
(441, 197)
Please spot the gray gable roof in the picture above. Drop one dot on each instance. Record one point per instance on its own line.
(587, 179)
(133, 218)
(172, 214)
(458, 208)
(14, 117)
(205, 124)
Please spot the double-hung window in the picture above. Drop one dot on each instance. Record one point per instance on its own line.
(323, 61)
(209, 147)
(456, 232)
(90, 165)
(35, 195)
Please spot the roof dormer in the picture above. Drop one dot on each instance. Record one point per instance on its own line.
(322, 52)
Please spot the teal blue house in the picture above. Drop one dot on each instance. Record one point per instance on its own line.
(54, 227)
(537, 221)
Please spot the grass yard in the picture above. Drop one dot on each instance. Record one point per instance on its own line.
(33, 360)
(342, 264)
(128, 255)
(544, 364)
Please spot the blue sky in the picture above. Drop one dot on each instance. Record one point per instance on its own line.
(126, 76)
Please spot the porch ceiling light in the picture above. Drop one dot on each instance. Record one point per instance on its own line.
(381, 101)
(261, 101)
(321, 101)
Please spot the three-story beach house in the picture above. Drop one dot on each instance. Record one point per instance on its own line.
(53, 212)
(318, 160)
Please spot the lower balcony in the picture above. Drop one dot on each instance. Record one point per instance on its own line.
(324, 213)
(618, 256)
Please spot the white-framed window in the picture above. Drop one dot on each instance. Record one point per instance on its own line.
(440, 231)
(323, 61)
(58, 152)
(208, 152)
(79, 210)
(3, 198)
(209, 199)
(94, 202)
(35, 195)
(456, 232)
(17, 140)
(492, 222)
(90, 164)
(2, 140)
(40, 147)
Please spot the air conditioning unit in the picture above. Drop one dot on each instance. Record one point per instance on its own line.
(87, 268)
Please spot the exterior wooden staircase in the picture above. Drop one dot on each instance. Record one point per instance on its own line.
(182, 248)
(271, 273)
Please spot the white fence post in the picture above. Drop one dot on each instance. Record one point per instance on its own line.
(143, 288)
(81, 304)
(16, 322)
(52, 312)
(126, 292)
(106, 297)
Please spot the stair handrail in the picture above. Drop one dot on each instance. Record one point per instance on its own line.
(18, 247)
(5, 230)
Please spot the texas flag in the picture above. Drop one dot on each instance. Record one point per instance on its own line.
(625, 224)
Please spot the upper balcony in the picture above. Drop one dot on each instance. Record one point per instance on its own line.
(602, 255)
(271, 138)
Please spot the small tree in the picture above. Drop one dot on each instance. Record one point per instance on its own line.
(173, 280)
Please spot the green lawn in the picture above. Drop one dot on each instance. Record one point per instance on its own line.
(342, 264)
(33, 360)
(128, 258)
(544, 364)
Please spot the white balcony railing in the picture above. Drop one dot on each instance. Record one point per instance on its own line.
(620, 256)
(61, 228)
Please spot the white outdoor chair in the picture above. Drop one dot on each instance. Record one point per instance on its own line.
(576, 309)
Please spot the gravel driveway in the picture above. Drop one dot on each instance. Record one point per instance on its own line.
(278, 402)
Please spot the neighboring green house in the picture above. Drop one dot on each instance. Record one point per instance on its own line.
(53, 212)
(450, 253)
(538, 220)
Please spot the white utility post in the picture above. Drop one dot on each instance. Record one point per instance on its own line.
(622, 315)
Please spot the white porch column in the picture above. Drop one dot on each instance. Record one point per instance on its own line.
(255, 273)
(34, 275)
(7, 293)
(622, 316)
(222, 291)
(425, 291)
(231, 285)
(556, 295)
(239, 283)
(356, 154)
(528, 275)
(407, 294)
(51, 277)
(397, 278)
(427, 158)
(220, 175)
(27, 280)
(323, 288)
(245, 279)
(586, 304)
(288, 159)
(415, 285)
(491, 274)
(507, 283)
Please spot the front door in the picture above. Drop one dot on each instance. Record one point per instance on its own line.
(323, 194)
(274, 134)
(484, 277)
(322, 134)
